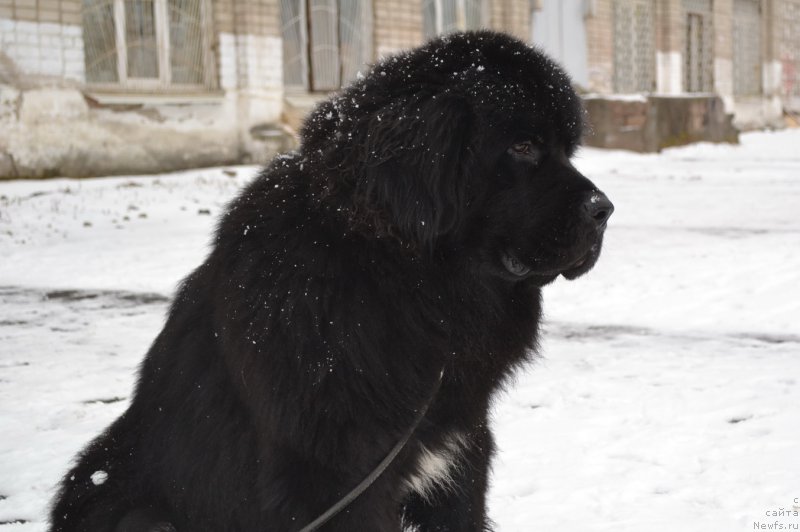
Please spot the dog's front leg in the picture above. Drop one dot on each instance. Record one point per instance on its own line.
(375, 510)
(306, 493)
(460, 503)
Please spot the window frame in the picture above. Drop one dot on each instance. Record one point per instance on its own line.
(701, 62)
(163, 83)
(308, 49)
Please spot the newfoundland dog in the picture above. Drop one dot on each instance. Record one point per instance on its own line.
(384, 279)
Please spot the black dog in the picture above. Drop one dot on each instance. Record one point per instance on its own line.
(412, 232)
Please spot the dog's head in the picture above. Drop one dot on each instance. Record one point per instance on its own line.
(464, 144)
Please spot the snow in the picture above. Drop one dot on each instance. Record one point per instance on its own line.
(667, 397)
(99, 477)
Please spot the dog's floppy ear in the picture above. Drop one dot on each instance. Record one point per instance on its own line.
(417, 157)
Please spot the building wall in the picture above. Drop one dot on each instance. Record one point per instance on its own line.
(670, 29)
(43, 91)
(43, 94)
(249, 59)
(44, 38)
(397, 26)
(558, 27)
(600, 36)
(788, 53)
(780, 40)
(249, 44)
(41, 39)
(766, 108)
(723, 50)
(511, 16)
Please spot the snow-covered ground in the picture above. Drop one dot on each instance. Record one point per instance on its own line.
(668, 398)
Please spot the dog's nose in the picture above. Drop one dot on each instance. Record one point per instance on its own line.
(598, 207)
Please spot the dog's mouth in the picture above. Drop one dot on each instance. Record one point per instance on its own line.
(582, 265)
(513, 265)
(519, 270)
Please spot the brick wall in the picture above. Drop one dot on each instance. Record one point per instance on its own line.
(670, 25)
(512, 16)
(397, 26)
(723, 28)
(600, 53)
(57, 11)
(723, 48)
(773, 21)
(42, 38)
(248, 44)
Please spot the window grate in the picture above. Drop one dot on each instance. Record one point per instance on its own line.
(100, 42)
(141, 39)
(634, 46)
(146, 44)
(698, 47)
(325, 42)
(185, 41)
(295, 39)
(355, 29)
(324, 33)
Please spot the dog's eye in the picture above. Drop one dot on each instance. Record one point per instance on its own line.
(526, 149)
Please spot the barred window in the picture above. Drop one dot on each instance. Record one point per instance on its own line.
(325, 42)
(698, 47)
(746, 47)
(634, 46)
(445, 16)
(146, 44)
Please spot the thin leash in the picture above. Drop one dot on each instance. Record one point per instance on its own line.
(373, 476)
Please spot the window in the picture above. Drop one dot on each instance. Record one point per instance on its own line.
(445, 16)
(325, 42)
(789, 35)
(746, 47)
(634, 46)
(146, 44)
(698, 51)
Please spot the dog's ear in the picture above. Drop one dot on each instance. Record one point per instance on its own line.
(417, 156)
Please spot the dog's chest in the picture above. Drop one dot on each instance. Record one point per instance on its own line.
(435, 466)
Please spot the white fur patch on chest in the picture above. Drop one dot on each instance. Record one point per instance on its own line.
(435, 467)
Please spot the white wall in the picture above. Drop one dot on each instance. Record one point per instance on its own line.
(43, 48)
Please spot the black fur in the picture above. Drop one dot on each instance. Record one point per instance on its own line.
(343, 278)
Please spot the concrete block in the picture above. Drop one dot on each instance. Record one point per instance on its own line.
(652, 123)
(41, 106)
